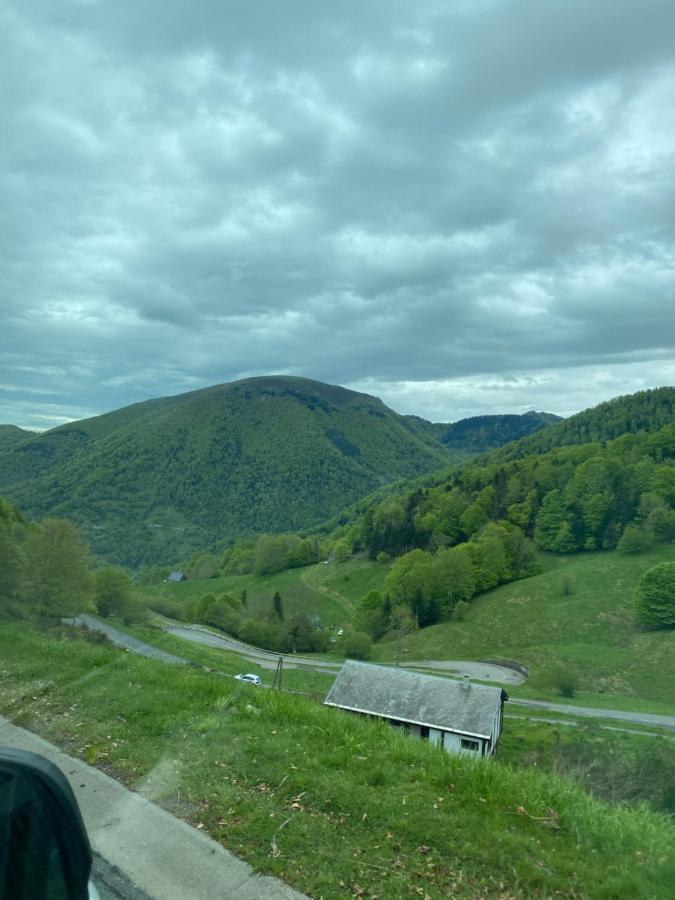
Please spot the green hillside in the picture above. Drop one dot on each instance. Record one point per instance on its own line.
(578, 616)
(478, 434)
(640, 412)
(155, 480)
(573, 496)
(11, 436)
(336, 805)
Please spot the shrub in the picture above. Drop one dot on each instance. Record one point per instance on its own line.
(460, 610)
(358, 645)
(634, 540)
(566, 682)
(656, 596)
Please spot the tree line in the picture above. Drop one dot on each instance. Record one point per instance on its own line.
(47, 573)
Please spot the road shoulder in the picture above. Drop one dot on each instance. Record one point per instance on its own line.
(161, 855)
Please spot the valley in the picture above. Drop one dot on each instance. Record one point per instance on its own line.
(520, 566)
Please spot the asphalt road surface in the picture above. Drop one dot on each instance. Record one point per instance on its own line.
(268, 660)
(125, 640)
(264, 658)
(112, 884)
(475, 669)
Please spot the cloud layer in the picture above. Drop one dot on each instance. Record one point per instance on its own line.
(462, 207)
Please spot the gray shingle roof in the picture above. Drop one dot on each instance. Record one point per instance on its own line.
(412, 697)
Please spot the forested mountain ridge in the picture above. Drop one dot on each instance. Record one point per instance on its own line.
(11, 436)
(456, 533)
(512, 482)
(642, 411)
(478, 434)
(157, 479)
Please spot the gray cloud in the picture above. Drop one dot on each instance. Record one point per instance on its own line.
(461, 205)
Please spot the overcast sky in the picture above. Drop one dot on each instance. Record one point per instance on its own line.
(461, 207)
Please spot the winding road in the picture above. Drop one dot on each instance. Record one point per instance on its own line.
(485, 671)
(268, 660)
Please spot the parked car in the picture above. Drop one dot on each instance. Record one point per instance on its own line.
(252, 679)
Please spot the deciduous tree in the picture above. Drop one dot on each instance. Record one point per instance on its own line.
(58, 568)
(656, 595)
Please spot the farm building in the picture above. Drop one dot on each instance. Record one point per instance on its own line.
(176, 576)
(460, 716)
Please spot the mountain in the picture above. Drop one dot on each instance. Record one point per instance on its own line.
(481, 433)
(11, 436)
(643, 411)
(573, 485)
(157, 479)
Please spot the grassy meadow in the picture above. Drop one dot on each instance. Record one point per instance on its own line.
(310, 590)
(336, 805)
(578, 616)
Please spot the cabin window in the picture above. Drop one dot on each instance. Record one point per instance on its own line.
(468, 744)
(424, 732)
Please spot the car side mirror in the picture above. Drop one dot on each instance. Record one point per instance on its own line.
(44, 849)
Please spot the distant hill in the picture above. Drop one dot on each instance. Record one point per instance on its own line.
(643, 411)
(481, 433)
(155, 480)
(572, 485)
(11, 436)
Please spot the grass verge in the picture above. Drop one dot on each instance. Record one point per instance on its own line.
(336, 805)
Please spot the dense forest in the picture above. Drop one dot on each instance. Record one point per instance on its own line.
(153, 481)
(478, 434)
(157, 480)
(480, 525)
(11, 436)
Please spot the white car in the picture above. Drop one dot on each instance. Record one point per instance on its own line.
(252, 679)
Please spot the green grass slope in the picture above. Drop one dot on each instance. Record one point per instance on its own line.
(156, 480)
(330, 591)
(592, 631)
(336, 805)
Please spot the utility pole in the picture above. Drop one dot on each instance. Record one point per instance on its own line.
(278, 674)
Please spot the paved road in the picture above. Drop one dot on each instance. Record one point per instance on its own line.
(636, 718)
(125, 640)
(161, 857)
(268, 660)
(483, 671)
(572, 722)
(112, 884)
(264, 658)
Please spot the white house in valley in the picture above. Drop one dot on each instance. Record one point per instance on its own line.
(460, 716)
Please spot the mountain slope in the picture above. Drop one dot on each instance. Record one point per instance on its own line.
(642, 411)
(11, 436)
(157, 479)
(481, 433)
(586, 486)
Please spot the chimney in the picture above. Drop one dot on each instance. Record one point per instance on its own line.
(466, 684)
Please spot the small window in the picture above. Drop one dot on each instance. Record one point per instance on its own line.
(468, 744)
(424, 732)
